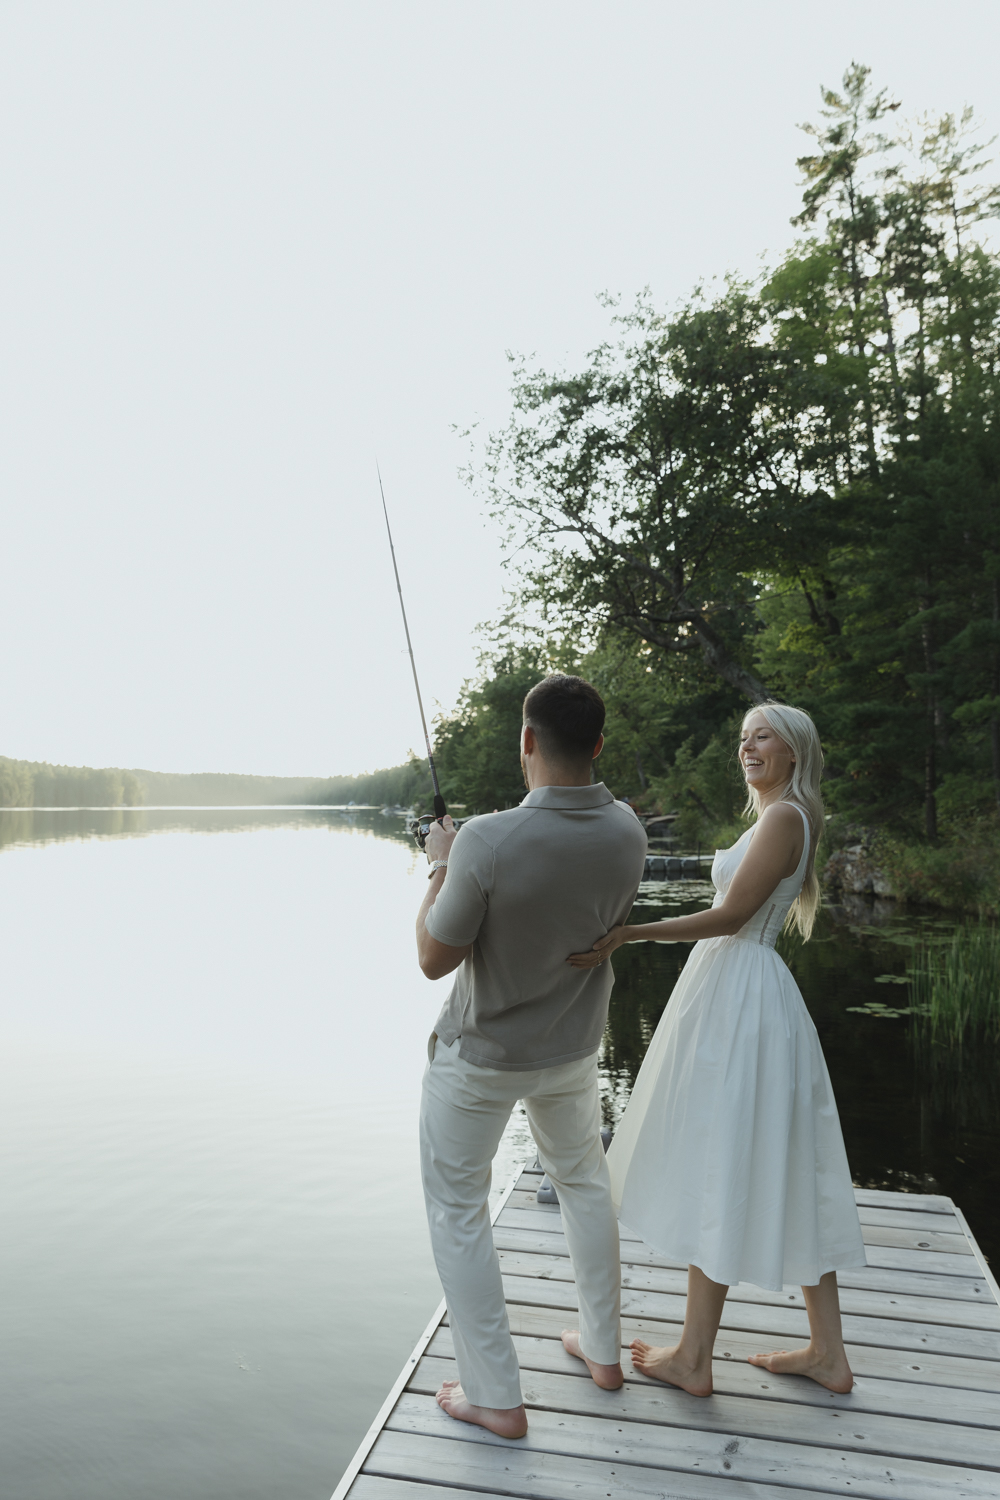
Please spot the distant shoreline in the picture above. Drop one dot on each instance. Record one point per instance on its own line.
(37, 784)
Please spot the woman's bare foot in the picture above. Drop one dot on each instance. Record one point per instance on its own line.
(694, 1376)
(506, 1421)
(608, 1377)
(830, 1370)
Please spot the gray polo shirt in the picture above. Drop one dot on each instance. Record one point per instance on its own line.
(527, 888)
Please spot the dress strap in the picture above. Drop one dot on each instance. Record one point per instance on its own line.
(799, 869)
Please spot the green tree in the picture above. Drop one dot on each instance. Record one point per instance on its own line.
(794, 490)
(477, 748)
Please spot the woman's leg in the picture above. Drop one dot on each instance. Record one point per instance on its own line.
(689, 1363)
(825, 1359)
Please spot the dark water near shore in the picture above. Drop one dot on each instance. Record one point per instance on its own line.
(214, 1255)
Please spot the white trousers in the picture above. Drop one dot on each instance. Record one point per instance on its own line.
(462, 1117)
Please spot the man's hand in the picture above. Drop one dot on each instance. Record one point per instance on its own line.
(440, 837)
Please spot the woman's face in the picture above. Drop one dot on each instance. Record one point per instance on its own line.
(766, 760)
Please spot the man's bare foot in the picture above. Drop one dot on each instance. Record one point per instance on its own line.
(608, 1377)
(673, 1367)
(505, 1421)
(830, 1370)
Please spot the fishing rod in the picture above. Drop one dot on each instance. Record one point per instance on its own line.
(421, 827)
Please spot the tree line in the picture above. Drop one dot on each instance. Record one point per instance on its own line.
(786, 488)
(25, 783)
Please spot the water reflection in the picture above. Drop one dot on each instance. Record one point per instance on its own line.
(214, 1242)
(46, 825)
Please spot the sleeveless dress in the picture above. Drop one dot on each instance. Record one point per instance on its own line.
(729, 1155)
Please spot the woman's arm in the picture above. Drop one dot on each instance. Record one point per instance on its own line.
(774, 854)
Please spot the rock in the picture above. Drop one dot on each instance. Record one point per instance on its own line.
(853, 870)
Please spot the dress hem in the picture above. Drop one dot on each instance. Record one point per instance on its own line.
(847, 1261)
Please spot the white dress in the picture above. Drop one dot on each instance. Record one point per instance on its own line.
(729, 1155)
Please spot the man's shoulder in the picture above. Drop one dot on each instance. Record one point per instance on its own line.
(627, 811)
(493, 828)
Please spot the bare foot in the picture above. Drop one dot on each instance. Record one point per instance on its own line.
(608, 1377)
(673, 1367)
(830, 1370)
(505, 1421)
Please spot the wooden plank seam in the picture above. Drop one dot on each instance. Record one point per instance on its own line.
(385, 1410)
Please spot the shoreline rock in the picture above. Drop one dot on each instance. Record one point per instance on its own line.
(852, 870)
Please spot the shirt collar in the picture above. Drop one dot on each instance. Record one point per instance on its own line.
(569, 798)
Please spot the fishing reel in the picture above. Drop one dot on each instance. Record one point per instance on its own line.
(421, 827)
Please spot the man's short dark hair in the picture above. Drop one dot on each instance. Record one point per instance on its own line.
(567, 715)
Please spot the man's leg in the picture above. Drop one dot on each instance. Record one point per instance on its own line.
(462, 1117)
(565, 1117)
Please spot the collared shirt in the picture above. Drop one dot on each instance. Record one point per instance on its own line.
(527, 888)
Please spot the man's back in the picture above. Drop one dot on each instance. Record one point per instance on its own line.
(527, 888)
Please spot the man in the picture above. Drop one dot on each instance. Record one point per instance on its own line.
(510, 897)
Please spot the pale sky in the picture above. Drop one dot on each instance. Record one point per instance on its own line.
(250, 247)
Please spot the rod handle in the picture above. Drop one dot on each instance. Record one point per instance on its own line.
(440, 811)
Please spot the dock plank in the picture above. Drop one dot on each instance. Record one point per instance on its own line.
(951, 1371)
(921, 1283)
(382, 1487)
(889, 1398)
(894, 1236)
(537, 1475)
(865, 1303)
(789, 1322)
(926, 1203)
(543, 1219)
(770, 1463)
(662, 1405)
(874, 1278)
(895, 1217)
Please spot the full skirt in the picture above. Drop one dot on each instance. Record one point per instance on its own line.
(730, 1155)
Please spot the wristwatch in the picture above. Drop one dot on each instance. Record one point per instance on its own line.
(437, 864)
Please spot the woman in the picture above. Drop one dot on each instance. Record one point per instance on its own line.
(729, 1156)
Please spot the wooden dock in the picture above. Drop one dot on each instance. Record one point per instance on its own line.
(922, 1325)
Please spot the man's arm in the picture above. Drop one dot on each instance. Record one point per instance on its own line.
(437, 959)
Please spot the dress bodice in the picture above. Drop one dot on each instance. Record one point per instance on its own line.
(765, 924)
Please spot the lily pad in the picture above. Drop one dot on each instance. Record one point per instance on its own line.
(886, 1012)
(891, 979)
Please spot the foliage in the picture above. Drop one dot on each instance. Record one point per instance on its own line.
(962, 871)
(792, 488)
(954, 988)
(477, 748)
(37, 784)
(408, 785)
(26, 783)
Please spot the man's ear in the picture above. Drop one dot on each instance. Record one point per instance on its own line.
(599, 748)
(529, 743)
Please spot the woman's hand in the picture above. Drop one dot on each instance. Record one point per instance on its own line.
(601, 951)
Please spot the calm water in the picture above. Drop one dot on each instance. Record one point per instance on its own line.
(214, 1255)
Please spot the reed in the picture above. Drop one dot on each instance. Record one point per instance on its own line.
(955, 987)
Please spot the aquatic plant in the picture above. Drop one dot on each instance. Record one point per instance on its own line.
(955, 987)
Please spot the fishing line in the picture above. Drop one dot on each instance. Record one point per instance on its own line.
(418, 829)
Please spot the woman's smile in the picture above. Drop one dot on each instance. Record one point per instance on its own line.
(766, 759)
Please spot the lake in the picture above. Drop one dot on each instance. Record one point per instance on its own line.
(214, 1252)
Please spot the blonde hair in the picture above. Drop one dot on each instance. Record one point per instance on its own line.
(801, 736)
